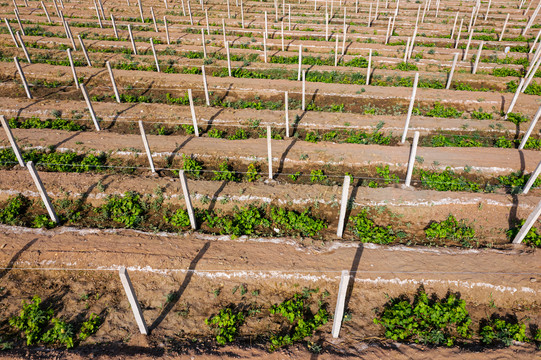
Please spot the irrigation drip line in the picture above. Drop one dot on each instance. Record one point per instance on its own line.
(318, 176)
(279, 271)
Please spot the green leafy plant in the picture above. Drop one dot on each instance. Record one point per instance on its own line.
(226, 324)
(303, 322)
(426, 320)
(225, 173)
(443, 112)
(60, 333)
(317, 176)
(480, 115)
(293, 221)
(369, 232)
(517, 118)
(191, 166)
(447, 181)
(451, 229)
(385, 173)
(532, 238)
(32, 320)
(43, 221)
(252, 174)
(499, 331)
(14, 209)
(90, 327)
(180, 218)
(127, 210)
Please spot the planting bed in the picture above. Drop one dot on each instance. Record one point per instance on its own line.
(433, 270)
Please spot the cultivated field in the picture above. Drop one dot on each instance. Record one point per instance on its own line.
(394, 140)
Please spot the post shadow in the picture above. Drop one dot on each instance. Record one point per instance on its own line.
(16, 257)
(283, 158)
(177, 294)
(512, 220)
(216, 194)
(353, 274)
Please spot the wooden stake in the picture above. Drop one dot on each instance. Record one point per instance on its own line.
(454, 26)
(147, 147)
(269, 151)
(535, 42)
(153, 19)
(388, 28)
(131, 39)
(70, 36)
(410, 108)
(72, 65)
(11, 33)
(515, 97)
(113, 82)
(532, 74)
(19, 21)
(304, 90)
(228, 58)
(190, 13)
(528, 224)
(531, 180)
(286, 109)
(132, 298)
(242, 13)
(89, 105)
(282, 28)
(459, 31)
(23, 78)
(42, 192)
(155, 56)
(450, 79)
(266, 25)
(114, 26)
(300, 63)
(326, 26)
(340, 303)
(23, 46)
(97, 14)
(344, 40)
(412, 43)
(411, 162)
(12, 141)
(204, 43)
(488, 9)
(223, 30)
(529, 132)
(205, 86)
(368, 72)
(370, 16)
(84, 51)
(165, 3)
(141, 11)
(477, 57)
(192, 109)
(343, 206)
(228, 10)
(467, 46)
(189, 207)
(407, 49)
(504, 26)
(207, 21)
(265, 48)
(101, 8)
(336, 52)
(46, 12)
(167, 30)
(289, 16)
(183, 10)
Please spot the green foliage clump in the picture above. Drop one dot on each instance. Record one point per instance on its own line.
(215, 133)
(14, 209)
(226, 324)
(244, 221)
(503, 72)
(191, 166)
(252, 174)
(59, 333)
(532, 238)
(361, 137)
(426, 320)
(240, 134)
(404, 66)
(299, 223)
(32, 320)
(451, 229)
(443, 112)
(517, 180)
(447, 181)
(127, 210)
(180, 218)
(317, 176)
(369, 232)
(385, 173)
(43, 221)
(480, 115)
(358, 61)
(502, 142)
(454, 140)
(517, 118)
(225, 173)
(498, 331)
(303, 322)
(90, 327)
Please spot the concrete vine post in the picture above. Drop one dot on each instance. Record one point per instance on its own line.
(340, 303)
(12, 141)
(23, 78)
(147, 147)
(42, 192)
(410, 108)
(132, 298)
